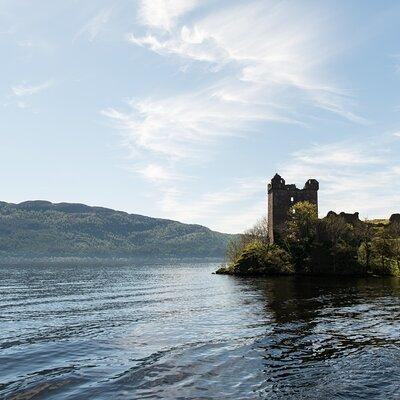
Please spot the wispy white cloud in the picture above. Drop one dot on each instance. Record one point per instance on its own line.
(274, 46)
(158, 174)
(353, 176)
(339, 155)
(271, 53)
(25, 89)
(183, 126)
(260, 62)
(181, 205)
(20, 94)
(189, 44)
(164, 14)
(96, 24)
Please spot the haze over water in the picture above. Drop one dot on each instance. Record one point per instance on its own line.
(175, 331)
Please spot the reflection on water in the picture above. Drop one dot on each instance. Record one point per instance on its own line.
(177, 331)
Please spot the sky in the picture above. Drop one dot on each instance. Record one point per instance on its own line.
(185, 109)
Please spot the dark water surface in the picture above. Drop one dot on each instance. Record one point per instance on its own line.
(177, 332)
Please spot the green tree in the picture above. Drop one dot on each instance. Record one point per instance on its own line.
(262, 259)
(300, 234)
(396, 251)
(394, 228)
(335, 242)
(382, 245)
(235, 247)
(364, 234)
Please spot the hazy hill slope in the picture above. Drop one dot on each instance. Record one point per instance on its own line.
(41, 228)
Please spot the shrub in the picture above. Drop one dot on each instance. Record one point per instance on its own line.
(389, 268)
(260, 259)
(235, 247)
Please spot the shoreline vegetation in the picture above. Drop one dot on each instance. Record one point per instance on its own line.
(313, 246)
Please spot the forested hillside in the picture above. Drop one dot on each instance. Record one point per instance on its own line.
(41, 228)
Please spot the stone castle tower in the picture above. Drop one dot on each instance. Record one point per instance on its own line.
(281, 197)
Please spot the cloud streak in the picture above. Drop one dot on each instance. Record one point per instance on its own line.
(24, 89)
(164, 14)
(271, 45)
(184, 126)
(269, 54)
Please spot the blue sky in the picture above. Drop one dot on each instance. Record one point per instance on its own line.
(184, 109)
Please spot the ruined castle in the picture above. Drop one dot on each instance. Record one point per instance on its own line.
(282, 196)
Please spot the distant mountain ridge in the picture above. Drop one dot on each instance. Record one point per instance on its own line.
(44, 229)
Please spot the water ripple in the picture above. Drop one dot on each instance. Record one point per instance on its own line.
(176, 331)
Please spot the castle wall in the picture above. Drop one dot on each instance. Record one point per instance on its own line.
(351, 219)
